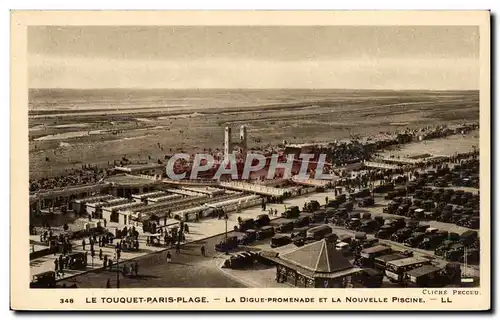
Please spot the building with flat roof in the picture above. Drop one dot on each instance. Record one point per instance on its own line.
(141, 197)
(150, 169)
(125, 185)
(58, 197)
(79, 205)
(94, 209)
(166, 197)
(206, 190)
(109, 210)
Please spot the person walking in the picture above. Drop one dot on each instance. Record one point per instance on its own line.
(56, 267)
(108, 283)
(83, 243)
(136, 268)
(178, 248)
(61, 267)
(100, 254)
(203, 250)
(169, 257)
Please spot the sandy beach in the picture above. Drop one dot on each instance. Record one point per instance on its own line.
(63, 138)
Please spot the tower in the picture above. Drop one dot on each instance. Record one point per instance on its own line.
(243, 140)
(229, 144)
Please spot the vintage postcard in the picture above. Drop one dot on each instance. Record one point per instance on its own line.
(250, 160)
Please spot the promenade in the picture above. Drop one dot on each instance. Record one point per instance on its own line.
(197, 230)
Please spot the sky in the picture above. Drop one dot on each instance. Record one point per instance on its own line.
(187, 57)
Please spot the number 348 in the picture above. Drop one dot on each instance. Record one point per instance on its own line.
(65, 300)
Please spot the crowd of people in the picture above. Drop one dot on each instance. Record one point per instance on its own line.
(85, 175)
(365, 178)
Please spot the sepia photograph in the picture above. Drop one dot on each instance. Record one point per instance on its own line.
(266, 156)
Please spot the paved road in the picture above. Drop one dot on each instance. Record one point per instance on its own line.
(187, 269)
(190, 269)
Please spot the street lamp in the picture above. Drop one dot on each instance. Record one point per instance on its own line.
(225, 220)
(117, 268)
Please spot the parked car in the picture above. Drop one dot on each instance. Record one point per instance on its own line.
(444, 247)
(318, 233)
(302, 222)
(44, 280)
(299, 241)
(311, 206)
(348, 206)
(76, 261)
(331, 237)
(280, 240)
(343, 247)
(415, 239)
(362, 193)
(246, 224)
(380, 220)
(341, 198)
(367, 202)
(265, 232)
(333, 204)
(285, 227)
(318, 216)
(369, 226)
(369, 278)
(249, 237)
(291, 213)
(385, 232)
(353, 224)
(401, 235)
(468, 237)
(330, 212)
(300, 232)
(397, 223)
(383, 188)
(345, 238)
(368, 243)
(412, 224)
(240, 260)
(227, 244)
(431, 241)
(262, 220)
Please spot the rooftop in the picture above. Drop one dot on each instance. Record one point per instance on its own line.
(126, 179)
(390, 257)
(376, 249)
(141, 166)
(96, 204)
(320, 256)
(95, 199)
(116, 201)
(164, 198)
(408, 261)
(422, 271)
(149, 194)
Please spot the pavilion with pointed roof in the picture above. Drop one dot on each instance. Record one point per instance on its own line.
(317, 264)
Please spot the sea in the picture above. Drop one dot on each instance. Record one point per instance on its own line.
(46, 101)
